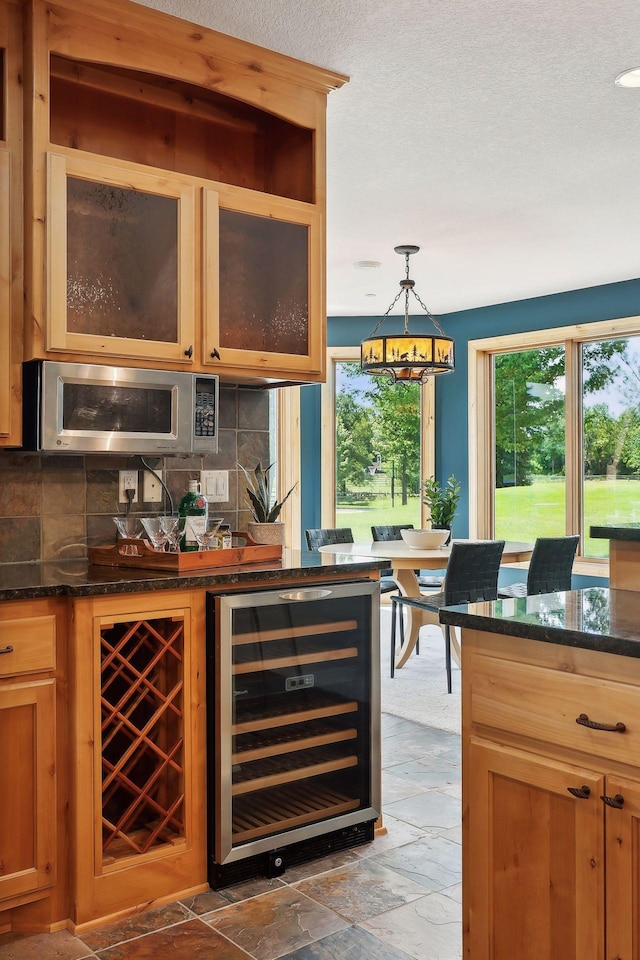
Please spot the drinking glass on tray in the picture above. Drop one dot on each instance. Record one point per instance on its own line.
(154, 530)
(206, 533)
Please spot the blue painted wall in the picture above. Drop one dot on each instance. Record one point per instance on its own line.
(557, 310)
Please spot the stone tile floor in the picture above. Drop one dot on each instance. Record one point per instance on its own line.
(393, 899)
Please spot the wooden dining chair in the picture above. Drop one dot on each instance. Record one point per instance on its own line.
(549, 568)
(328, 535)
(472, 574)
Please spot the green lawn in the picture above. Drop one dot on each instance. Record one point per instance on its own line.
(522, 513)
(361, 519)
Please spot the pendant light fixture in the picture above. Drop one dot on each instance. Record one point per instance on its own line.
(407, 357)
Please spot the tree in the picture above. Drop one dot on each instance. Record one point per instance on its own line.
(354, 440)
(599, 429)
(529, 405)
(397, 428)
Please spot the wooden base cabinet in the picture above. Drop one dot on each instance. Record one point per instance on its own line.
(139, 740)
(33, 780)
(551, 839)
(27, 787)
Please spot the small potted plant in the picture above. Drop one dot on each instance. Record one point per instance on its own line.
(441, 502)
(265, 527)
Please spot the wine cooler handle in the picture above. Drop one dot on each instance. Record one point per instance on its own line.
(296, 595)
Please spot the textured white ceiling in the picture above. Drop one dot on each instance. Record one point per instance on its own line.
(488, 132)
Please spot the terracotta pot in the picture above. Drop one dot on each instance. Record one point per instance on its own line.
(266, 532)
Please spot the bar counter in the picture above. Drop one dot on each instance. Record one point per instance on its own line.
(78, 578)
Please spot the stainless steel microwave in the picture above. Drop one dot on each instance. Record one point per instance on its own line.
(88, 408)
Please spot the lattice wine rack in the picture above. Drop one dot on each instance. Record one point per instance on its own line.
(142, 691)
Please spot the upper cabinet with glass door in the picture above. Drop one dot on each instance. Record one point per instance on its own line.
(176, 195)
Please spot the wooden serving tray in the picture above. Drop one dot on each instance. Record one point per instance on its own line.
(140, 554)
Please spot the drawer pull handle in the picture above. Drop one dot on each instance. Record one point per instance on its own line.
(616, 801)
(582, 793)
(7, 649)
(583, 719)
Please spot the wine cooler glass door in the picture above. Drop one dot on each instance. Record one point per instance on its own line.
(296, 715)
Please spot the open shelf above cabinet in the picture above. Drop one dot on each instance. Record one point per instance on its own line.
(179, 126)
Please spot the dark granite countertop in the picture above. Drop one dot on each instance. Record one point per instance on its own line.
(76, 578)
(596, 618)
(626, 531)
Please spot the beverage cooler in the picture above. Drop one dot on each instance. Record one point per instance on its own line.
(293, 708)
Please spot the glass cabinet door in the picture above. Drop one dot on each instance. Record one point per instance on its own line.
(121, 256)
(263, 257)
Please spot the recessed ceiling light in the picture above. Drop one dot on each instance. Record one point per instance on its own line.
(371, 294)
(367, 264)
(629, 78)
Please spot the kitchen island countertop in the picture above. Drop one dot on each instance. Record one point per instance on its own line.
(78, 578)
(594, 618)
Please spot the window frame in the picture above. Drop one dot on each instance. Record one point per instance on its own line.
(337, 355)
(481, 420)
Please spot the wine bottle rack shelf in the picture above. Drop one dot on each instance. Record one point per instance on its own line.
(142, 735)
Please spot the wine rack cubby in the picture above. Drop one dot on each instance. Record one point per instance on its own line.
(142, 730)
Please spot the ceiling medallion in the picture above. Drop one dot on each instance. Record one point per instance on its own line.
(407, 357)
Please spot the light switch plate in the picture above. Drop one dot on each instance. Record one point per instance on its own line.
(215, 485)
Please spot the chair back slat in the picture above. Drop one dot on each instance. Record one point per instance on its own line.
(389, 531)
(320, 538)
(472, 572)
(551, 564)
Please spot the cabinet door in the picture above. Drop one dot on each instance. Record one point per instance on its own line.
(535, 867)
(120, 262)
(622, 835)
(27, 787)
(263, 285)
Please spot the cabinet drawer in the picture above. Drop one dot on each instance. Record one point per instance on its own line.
(27, 645)
(544, 704)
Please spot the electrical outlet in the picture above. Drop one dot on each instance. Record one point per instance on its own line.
(215, 485)
(151, 488)
(128, 480)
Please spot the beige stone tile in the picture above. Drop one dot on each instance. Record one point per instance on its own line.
(361, 890)
(427, 928)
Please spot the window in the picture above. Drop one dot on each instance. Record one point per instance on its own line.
(554, 432)
(373, 458)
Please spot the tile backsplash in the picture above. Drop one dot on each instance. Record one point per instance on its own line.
(53, 507)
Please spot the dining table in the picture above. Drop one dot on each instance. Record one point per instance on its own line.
(405, 563)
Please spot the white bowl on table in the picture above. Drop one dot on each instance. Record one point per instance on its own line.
(424, 539)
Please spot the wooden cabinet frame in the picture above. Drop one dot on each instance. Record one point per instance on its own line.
(103, 889)
(201, 89)
(11, 226)
(59, 168)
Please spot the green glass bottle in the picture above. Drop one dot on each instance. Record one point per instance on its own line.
(194, 508)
